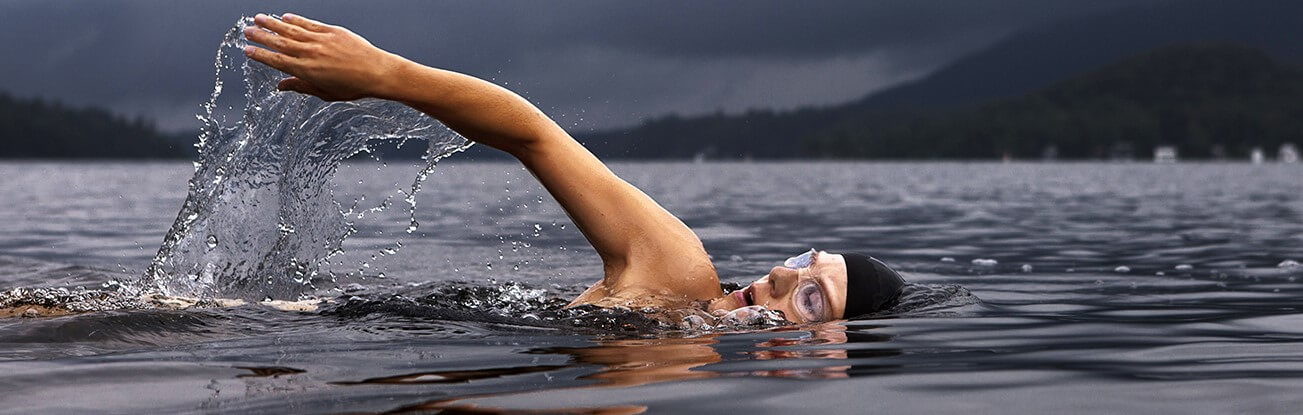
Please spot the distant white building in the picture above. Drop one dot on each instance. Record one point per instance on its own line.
(1165, 154)
(1288, 153)
(1256, 156)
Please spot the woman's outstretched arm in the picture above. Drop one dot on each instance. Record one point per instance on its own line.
(644, 248)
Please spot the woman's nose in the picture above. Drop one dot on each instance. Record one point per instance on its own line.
(783, 279)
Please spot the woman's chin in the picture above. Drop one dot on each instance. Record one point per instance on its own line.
(727, 303)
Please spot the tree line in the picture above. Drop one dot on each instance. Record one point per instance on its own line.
(37, 128)
(1208, 100)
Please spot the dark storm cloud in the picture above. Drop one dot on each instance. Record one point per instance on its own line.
(591, 63)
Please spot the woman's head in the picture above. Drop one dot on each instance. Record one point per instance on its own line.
(820, 286)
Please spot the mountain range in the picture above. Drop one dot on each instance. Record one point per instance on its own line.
(1022, 65)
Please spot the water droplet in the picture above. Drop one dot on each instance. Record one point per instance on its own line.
(212, 241)
(1184, 267)
(1122, 269)
(488, 265)
(1026, 267)
(985, 262)
(1288, 263)
(947, 259)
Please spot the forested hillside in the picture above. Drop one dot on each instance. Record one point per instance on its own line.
(1207, 100)
(33, 128)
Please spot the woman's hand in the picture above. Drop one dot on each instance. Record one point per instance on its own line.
(329, 62)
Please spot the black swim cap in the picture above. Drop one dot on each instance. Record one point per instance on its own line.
(870, 285)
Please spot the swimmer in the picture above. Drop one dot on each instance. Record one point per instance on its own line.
(649, 257)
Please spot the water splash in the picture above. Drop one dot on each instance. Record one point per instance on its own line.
(521, 305)
(260, 218)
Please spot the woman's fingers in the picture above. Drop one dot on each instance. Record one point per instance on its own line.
(279, 61)
(305, 23)
(280, 27)
(298, 85)
(273, 41)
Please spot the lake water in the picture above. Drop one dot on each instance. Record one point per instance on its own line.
(1095, 288)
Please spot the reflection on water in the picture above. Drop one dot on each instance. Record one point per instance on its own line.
(1204, 319)
(272, 371)
(450, 376)
(820, 352)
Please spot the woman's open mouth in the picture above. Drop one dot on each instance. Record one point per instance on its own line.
(745, 296)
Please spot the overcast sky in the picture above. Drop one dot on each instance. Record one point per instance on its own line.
(591, 64)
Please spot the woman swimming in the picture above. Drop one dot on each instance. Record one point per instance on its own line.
(649, 257)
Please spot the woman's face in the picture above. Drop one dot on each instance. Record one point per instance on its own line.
(816, 292)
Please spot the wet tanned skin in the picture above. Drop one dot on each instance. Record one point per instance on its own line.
(649, 257)
(32, 310)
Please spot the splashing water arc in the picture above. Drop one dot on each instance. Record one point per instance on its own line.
(260, 218)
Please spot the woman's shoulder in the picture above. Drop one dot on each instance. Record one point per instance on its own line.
(634, 288)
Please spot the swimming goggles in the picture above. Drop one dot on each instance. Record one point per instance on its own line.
(800, 261)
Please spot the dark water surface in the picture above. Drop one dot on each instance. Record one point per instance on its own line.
(1115, 288)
